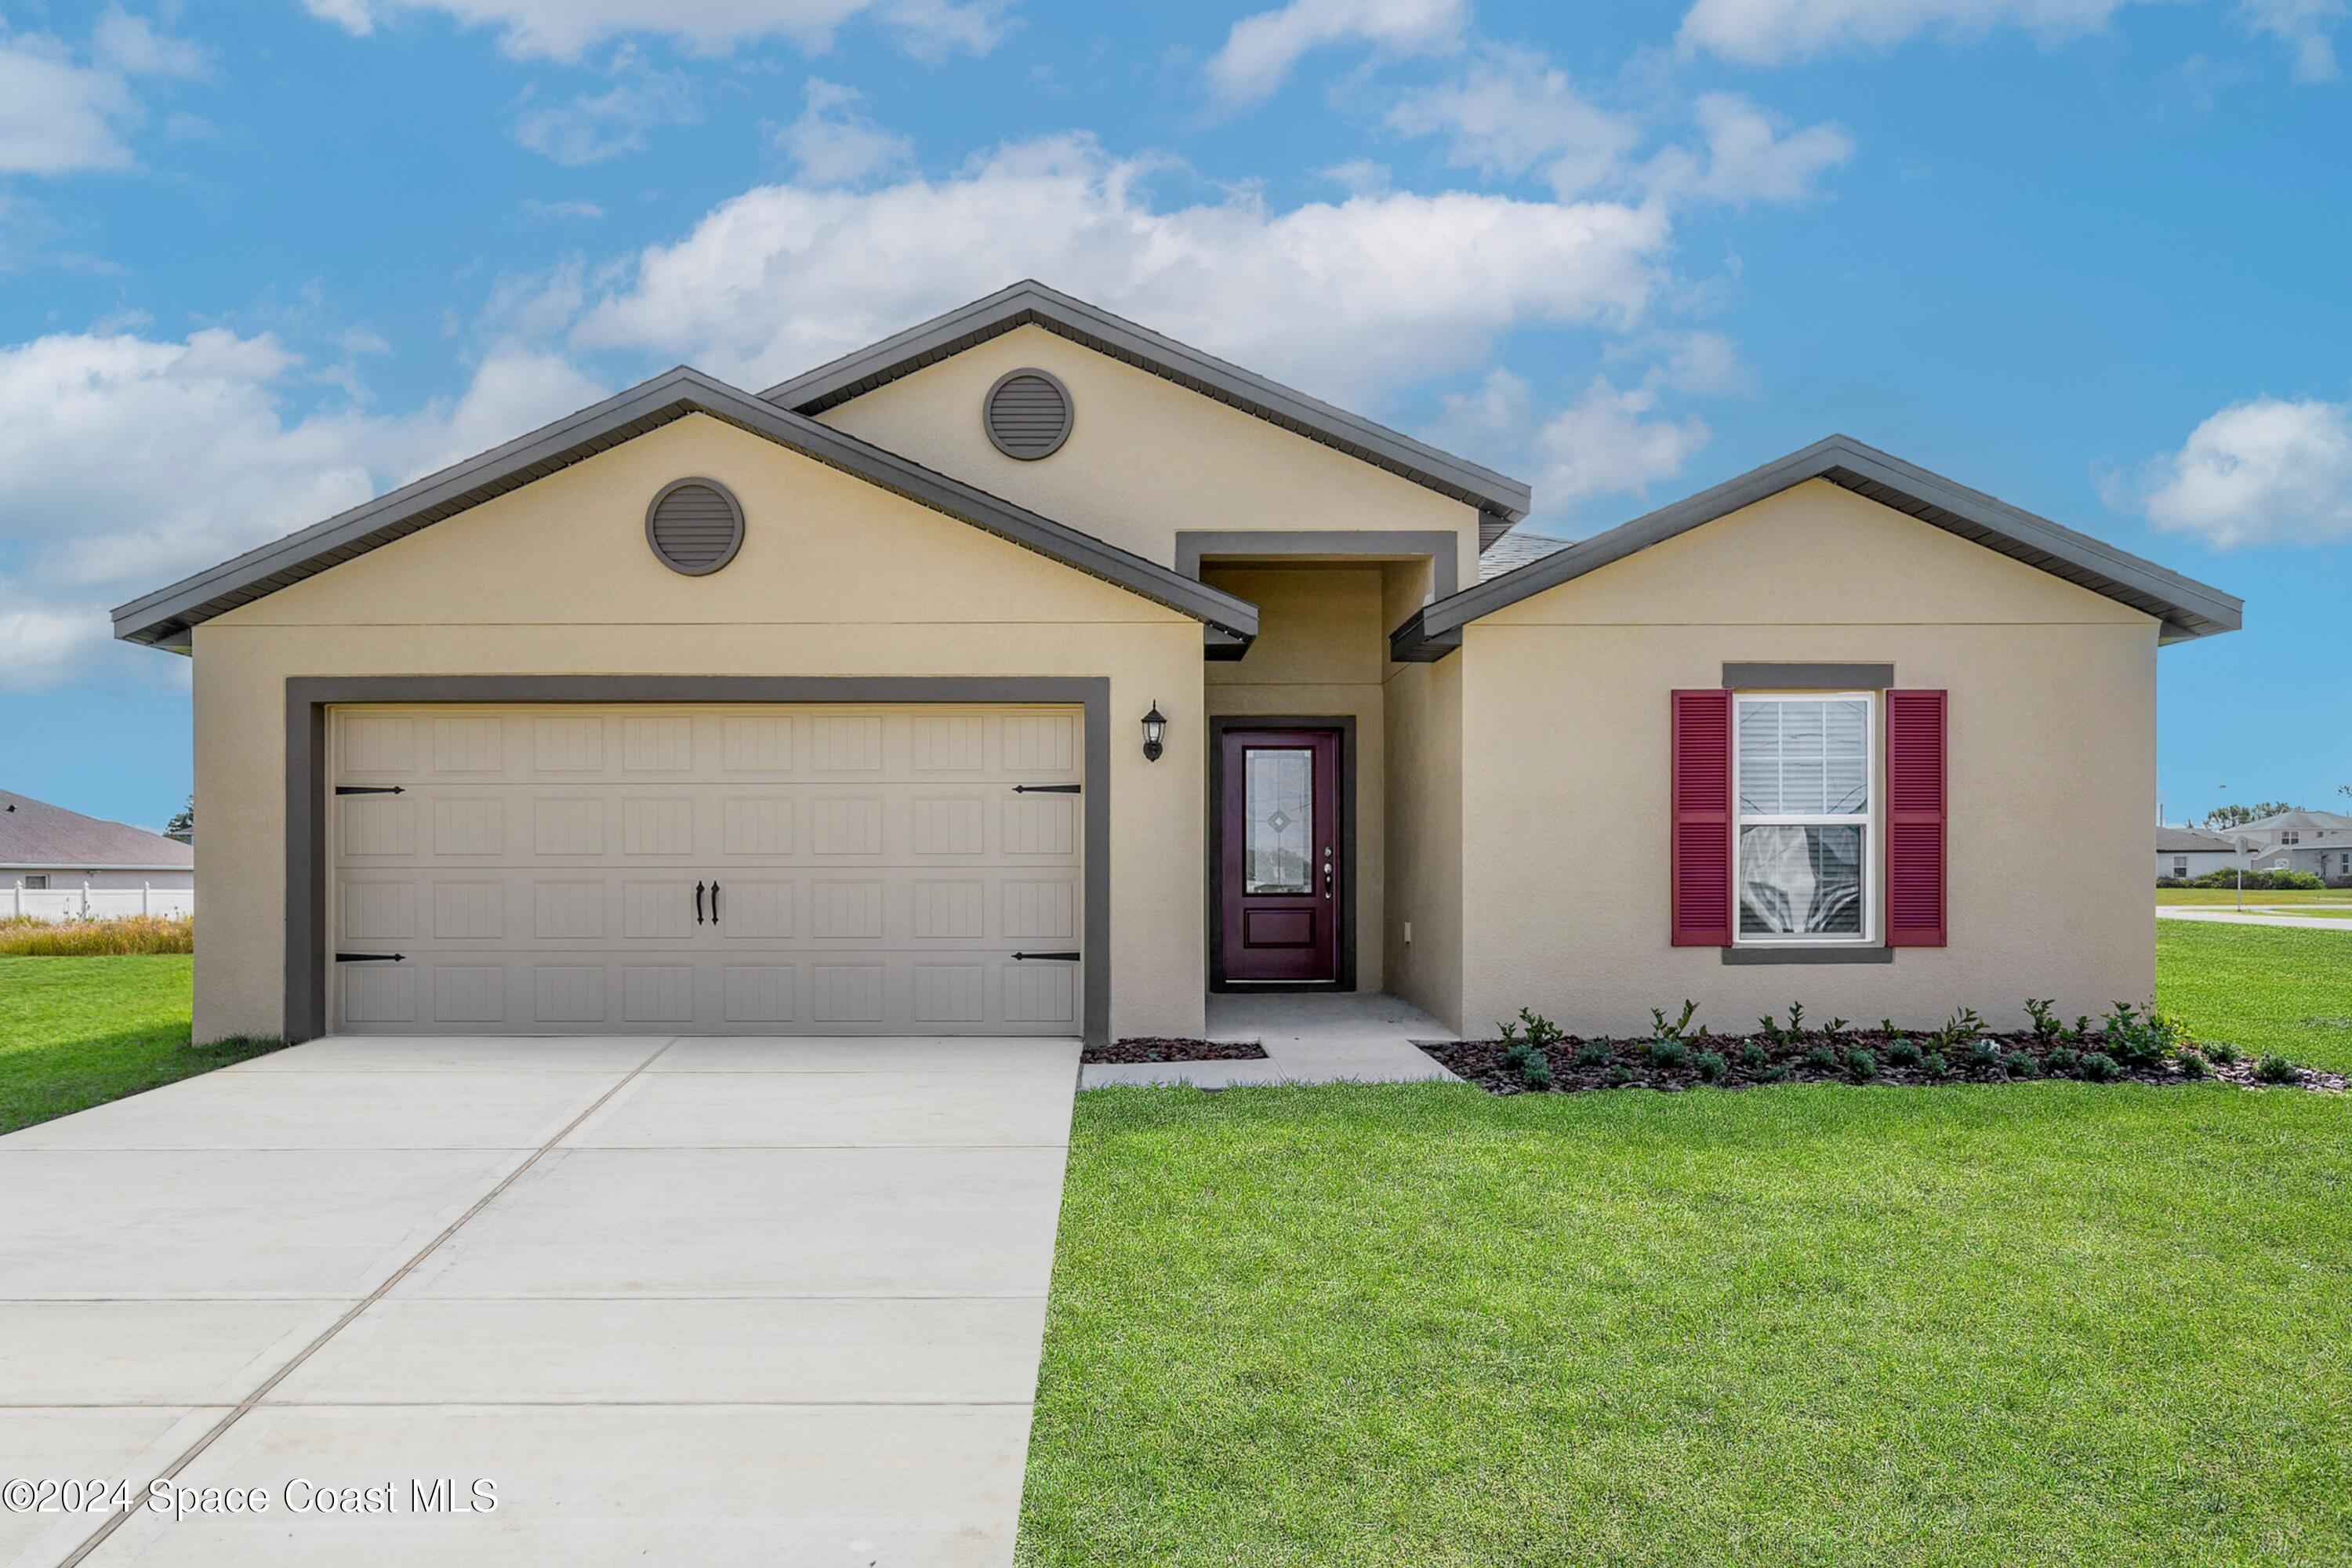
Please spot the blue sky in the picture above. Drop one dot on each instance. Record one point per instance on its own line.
(263, 259)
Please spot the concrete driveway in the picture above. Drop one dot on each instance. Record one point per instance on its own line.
(701, 1301)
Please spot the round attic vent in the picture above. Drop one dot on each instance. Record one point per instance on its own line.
(694, 526)
(1027, 413)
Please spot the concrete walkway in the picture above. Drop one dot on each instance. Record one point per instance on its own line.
(710, 1300)
(1309, 1037)
(2232, 917)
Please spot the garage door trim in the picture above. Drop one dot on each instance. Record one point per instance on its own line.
(307, 698)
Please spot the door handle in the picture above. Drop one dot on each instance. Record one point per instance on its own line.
(697, 903)
(714, 900)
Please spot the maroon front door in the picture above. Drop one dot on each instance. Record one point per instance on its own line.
(1279, 866)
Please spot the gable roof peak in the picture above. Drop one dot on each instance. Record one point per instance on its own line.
(1501, 500)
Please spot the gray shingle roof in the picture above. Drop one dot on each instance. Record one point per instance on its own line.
(1515, 550)
(2299, 821)
(35, 832)
(2191, 841)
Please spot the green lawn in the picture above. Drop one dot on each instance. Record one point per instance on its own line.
(2227, 897)
(77, 1032)
(2046, 1323)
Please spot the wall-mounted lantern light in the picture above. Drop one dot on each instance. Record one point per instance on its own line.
(1155, 730)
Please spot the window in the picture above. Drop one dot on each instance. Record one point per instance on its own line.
(2290, 837)
(40, 880)
(1803, 764)
(2180, 866)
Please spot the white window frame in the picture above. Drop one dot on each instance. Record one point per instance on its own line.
(37, 881)
(1872, 821)
(2181, 867)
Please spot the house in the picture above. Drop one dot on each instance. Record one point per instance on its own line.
(1030, 671)
(2319, 842)
(2186, 852)
(56, 864)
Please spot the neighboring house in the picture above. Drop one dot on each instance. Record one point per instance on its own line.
(2186, 852)
(1031, 672)
(2319, 842)
(58, 863)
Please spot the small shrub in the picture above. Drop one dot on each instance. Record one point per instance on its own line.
(1711, 1066)
(2275, 1069)
(1820, 1058)
(1770, 1027)
(1861, 1065)
(2192, 1066)
(1536, 1071)
(1754, 1058)
(2139, 1039)
(1903, 1052)
(1668, 1055)
(2222, 1051)
(2099, 1067)
(1796, 1017)
(1540, 1031)
(2017, 1064)
(1837, 1028)
(1519, 1054)
(1934, 1065)
(1620, 1075)
(2062, 1062)
(1776, 1073)
(1958, 1030)
(1592, 1054)
(2046, 1027)
(1984, 1055)
(1662, 1030)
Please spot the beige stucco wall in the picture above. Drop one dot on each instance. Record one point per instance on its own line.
(2052, 758)
(1422, 708)
(1146, 458)
(835, 577)
(1320, 653)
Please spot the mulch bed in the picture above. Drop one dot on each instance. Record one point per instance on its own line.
(1788, 1059)
(1153, 1049)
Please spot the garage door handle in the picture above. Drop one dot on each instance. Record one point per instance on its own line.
(1057, 957)
(697, 903)
(714, 900)
(370, 957)
(369, 789)
(1047, 789)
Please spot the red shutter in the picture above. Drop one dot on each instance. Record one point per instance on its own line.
(1916, 812)
(1700, 793)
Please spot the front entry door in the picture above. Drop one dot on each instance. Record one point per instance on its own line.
(1279, 868)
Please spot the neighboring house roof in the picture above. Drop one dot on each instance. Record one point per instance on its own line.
(2192, 841)
(2187, 608)
(1501, 500)
(2298, 822)
(1515, 550)
(164, 618)
(35, 833)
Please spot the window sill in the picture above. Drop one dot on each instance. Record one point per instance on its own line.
(1842, 953)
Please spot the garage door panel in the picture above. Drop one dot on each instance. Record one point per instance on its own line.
(864, 870)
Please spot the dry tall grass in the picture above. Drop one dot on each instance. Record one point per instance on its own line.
(21, 936)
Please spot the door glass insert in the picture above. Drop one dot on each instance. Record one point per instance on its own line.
(1278, 786)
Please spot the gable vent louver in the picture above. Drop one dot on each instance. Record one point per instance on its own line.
(694, 526)
(1027, 414)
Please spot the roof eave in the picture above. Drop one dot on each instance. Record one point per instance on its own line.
(166, 616)
(1501, 500)
(2184, 608)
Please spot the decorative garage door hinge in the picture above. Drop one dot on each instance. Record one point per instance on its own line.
(370, 957)
(369, 789)
(1046, 789)
(1057, 957)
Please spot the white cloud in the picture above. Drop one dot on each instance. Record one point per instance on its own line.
(2266, 471)
(1612, 441)
(126, 462)
(835, 142)
(593, 127)
(56, 117)
(1346, 299)
(1514, 112)
(564, 29)
(1261, 51)
(1751, 155)
(2308, 27)
(131, 46)
(1773, 32)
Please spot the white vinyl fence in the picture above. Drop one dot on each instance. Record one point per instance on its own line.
(89, 903)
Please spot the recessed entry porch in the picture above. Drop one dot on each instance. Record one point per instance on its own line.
(1359, 1036)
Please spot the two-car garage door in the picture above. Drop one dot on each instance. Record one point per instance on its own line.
(740, 869)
